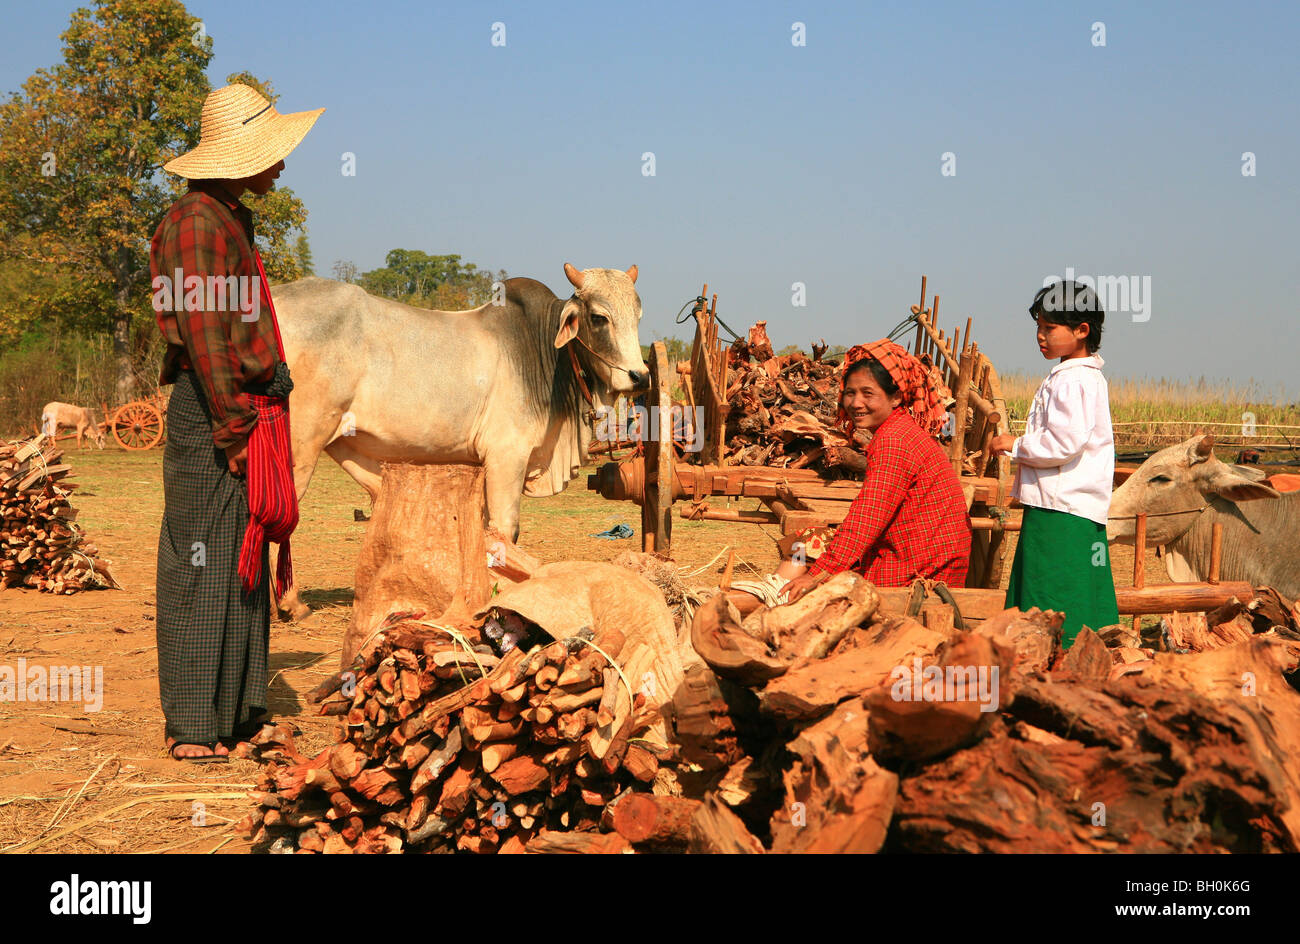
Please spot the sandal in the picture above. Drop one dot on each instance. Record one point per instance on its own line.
(213, 758)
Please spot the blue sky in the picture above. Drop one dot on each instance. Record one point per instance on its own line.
(818, 164)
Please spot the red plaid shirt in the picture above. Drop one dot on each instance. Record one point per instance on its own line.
(208, 232)
(909, 520)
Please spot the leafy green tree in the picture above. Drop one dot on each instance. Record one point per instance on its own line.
(677, 349)
(81, 183)
(302, 250)
(443, 282)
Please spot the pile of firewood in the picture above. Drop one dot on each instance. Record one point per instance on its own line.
(448, 745)
(41, 545)
(1176, 741)
(782, 409)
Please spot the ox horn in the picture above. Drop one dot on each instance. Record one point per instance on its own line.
(574, 275)
(631, 274)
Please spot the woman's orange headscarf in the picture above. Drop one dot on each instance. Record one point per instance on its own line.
(919, 398)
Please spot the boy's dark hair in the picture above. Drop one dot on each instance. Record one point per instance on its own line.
(1071, 304)
(882, 377)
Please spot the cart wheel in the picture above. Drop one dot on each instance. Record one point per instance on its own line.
(138, 425)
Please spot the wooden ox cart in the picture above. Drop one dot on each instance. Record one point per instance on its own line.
(795, 499)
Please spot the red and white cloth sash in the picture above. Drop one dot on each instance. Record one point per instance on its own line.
(272, 499)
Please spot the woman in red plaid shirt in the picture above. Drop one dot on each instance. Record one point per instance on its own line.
(910, 519)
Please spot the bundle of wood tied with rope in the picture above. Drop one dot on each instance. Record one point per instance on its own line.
(41, 544)
(503, 735)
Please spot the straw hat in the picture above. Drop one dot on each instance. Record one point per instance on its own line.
(241, 134)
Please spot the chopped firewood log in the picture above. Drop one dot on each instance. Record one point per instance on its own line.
(587, 843)
(642, 817)
(423, 547)
(712, 714)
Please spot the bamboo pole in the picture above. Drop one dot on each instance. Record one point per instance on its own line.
(920, 314)
(957, 448)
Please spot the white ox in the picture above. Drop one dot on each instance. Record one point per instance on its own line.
(1185, 490)
(378, 381)
(56, 416)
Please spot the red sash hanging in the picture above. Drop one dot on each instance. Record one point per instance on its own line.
(272, 499)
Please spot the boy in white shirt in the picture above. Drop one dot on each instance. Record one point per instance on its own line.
(1066, 469)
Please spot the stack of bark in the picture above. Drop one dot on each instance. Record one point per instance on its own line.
(447, 746)
(41, 545)
(902, 738)
(782, 409)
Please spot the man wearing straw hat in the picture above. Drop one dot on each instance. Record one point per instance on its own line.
(227, 469)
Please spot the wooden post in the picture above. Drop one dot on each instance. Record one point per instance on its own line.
(657, 509)
(957, 448)
(424, 549)
(1216, 551)
(1139, 563)
(920, 315)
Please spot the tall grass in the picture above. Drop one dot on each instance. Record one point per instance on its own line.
(1152, 412)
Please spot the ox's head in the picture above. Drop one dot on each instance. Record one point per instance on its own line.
(603, 316)
(1173, 486)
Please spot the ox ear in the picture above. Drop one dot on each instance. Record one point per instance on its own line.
(569, 317)
(1227, 483)
(631, 274)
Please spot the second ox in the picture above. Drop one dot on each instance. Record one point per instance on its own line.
(1185, 490)
(379, 381)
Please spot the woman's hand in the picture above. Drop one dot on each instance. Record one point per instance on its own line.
(799, 586)
(1001, 444)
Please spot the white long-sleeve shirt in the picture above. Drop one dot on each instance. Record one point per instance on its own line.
(1067, 455)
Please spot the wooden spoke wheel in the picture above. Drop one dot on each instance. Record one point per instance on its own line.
(138, 425)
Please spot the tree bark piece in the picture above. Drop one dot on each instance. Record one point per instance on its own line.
(715, 829)
(930, 710)
(424, 548)
(810, 688)
(837, 799)
(1194, 754)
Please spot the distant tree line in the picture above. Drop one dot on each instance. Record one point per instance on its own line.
(417, 278)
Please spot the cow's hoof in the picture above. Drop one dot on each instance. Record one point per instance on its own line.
(294, 613)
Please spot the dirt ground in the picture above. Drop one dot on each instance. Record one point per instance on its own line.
(73, 780)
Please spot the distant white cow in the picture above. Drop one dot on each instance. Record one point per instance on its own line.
(56, 416)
